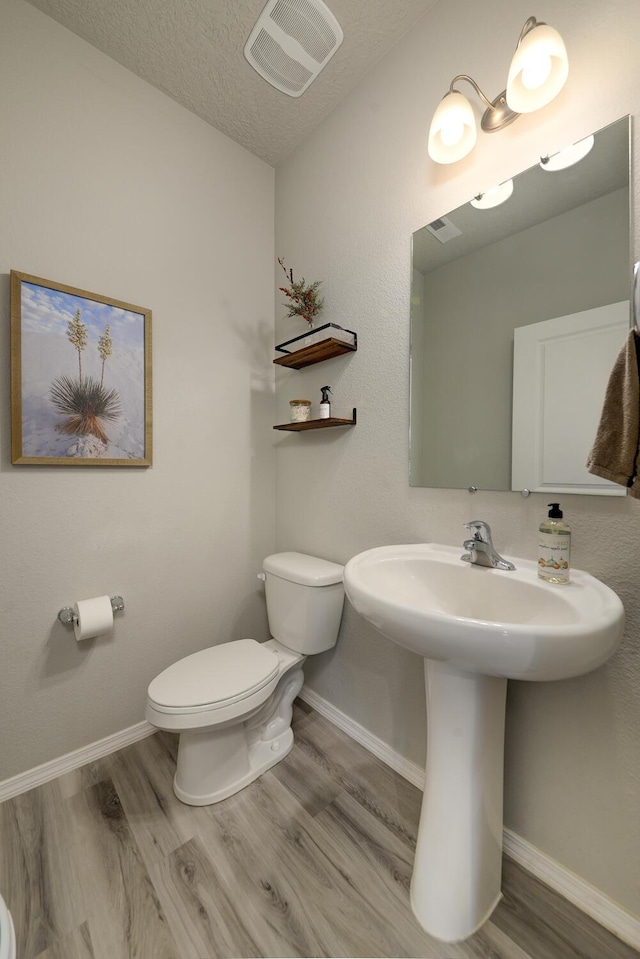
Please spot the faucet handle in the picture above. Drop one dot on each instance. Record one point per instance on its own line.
(481, 549)
(481, 530)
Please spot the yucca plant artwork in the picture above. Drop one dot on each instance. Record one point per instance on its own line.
(87, 404)
(82, 393)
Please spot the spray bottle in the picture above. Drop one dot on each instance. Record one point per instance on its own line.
(325, 403)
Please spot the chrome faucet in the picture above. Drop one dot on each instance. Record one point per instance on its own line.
(481, 548)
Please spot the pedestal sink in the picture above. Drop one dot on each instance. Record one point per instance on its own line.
(475, 627)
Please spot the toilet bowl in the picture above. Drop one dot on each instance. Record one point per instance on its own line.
(7, 933)
(232, 703)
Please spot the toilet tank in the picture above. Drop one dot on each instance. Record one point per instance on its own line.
(305, 596)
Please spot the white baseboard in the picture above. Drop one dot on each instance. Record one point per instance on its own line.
(23, 782)
(587, 898)
(407, 769)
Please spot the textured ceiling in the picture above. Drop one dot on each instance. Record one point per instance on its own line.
(192, 50)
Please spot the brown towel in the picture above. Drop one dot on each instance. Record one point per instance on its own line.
(615, 454)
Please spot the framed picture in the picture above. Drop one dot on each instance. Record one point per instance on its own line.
(80, 377)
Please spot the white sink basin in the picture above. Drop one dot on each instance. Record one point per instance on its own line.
(475, 627)
(490, 621)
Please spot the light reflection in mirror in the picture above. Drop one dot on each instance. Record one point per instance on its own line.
(559, 246)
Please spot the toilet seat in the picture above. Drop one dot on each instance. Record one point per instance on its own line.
(214, 678)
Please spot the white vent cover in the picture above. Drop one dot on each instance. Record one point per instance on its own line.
(443, 229)
(291, 43)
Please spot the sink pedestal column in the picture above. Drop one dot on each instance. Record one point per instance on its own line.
(458, 863)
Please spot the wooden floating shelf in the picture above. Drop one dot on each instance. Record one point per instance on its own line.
(316, 424)
(316, 353)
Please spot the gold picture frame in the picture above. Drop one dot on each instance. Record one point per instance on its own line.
(80, 377)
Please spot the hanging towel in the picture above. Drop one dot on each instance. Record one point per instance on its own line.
(615, 454)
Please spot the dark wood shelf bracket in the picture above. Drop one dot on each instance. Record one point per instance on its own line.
(317, 424)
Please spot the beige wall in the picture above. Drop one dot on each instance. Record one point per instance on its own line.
(107, 185)
(348, 201)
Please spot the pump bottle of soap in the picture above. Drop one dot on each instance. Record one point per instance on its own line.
(554, 547)
(325, 403)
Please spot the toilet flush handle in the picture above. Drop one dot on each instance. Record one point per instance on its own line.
(262, 576)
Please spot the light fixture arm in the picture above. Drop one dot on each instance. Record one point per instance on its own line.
(528, 26)
(497, 115)
(463, 76)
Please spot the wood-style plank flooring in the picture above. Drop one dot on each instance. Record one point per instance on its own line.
(313, 859)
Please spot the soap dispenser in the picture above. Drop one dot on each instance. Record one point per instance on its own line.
(554, 547)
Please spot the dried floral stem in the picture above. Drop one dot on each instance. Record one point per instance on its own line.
(305, 300)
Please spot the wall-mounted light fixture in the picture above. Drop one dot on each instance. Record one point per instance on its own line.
(538, 72)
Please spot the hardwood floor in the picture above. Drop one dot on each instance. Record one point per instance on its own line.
(313, 859)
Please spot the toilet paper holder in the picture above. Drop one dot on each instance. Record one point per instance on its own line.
(69, 618)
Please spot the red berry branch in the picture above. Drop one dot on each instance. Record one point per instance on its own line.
(304, 299)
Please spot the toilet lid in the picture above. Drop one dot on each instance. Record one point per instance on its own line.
(225, 673)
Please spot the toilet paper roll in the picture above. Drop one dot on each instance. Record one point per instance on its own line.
(93, 617)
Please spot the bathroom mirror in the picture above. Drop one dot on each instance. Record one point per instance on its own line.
(548, 270)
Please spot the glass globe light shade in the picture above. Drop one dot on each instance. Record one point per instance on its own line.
(538, 71)
(453, 133)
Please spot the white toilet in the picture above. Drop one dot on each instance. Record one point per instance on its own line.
(232, 704)
(7, 933)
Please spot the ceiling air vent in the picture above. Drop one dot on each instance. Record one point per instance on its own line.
(443, 229)
(291, 43)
